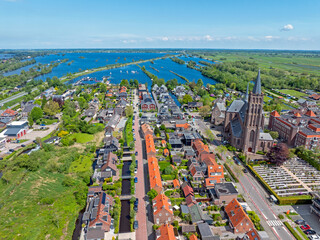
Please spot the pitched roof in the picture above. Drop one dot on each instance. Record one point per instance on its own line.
(166, 152)
(146, 129)
(257, 85)
(150, 148)
(193, 237)
(176, 183)
(9, 112)
(275, 114)
(252, 235)
(166, 232)
(187, 190)
(200, 147)
(160, 202)
(310, 113)
(154, 173)
(236, 213)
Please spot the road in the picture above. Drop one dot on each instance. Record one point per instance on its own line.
(255, 194)
(9, 99)
(141, 217)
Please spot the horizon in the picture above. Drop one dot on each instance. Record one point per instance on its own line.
(272, 25)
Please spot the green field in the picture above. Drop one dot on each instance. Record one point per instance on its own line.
(81, 137)
(41, 194)
(293, 93)
(302, 62)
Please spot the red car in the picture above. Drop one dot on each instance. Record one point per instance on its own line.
(305, 227)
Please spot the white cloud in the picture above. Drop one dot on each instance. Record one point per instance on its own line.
(287, 27)
(208, 38)
(271, 37)
(165, 39)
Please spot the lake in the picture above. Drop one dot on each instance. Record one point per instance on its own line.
(83, 61)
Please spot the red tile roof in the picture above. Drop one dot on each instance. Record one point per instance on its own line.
(193, 237)
(187, 190)
(154, 174)
(166, 232)
(150, 148)
(275, 114)
(310, 113)
(160, 202)
(9, 112)
(176, 183)
(236, 214)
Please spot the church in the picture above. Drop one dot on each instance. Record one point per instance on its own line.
(244, 122)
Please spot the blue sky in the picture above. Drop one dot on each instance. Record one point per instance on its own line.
(245, 24)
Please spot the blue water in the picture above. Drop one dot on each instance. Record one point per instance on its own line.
(5, 56)
(175, 99)
(94, 60)
(196, 59)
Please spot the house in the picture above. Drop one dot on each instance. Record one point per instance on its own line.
(97, 213)
(162, 209)
(198, 216)
(218, 112)
(187, 190)
(193, 105)
(4, 121)
(199, 147)
(109, 169)
(16, 129)
(193, 237)
(188, 229)
(165, 232)
(146, 130)
(205, 232)
(251, 235)
(154, 175)
(238, 219)
(147, 103)
(188, 152)
(113, 122)
(191, 200)
(196, 172)
(111, 144)
(176, 184)
(182, 125)
(9, 113)
(175, 143)
(188, 137)
(150, 148)
(223, 193)
(166, 152)
(179, 91)
(122, 93)
(142, 90)
(214, 173)
(27, 108)
(94, 234)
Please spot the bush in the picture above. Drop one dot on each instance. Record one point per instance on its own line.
(281, 216)
(294, 233)
(231, 173)
(47, 201)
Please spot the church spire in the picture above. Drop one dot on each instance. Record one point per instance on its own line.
(246, 98)
(257, 85)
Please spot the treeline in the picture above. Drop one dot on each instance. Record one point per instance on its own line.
(239, 73)
(21, 79)
(12, 65)
(177, 60)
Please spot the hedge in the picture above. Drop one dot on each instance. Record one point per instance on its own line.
(231, 173)
(294, 233)
(292, 200)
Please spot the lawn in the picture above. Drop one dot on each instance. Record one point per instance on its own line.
(163, 165)
(293, 93)
(128, 135)
(48, 121)
(81, 137)
(82, 164)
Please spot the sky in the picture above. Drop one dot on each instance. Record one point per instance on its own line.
(229, 24)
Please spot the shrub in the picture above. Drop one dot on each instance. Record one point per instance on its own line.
(231, 173)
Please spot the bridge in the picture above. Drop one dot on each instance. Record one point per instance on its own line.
(126, 177)
(125, 197)
(126, 159)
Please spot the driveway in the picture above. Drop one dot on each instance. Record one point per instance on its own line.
(31, 136)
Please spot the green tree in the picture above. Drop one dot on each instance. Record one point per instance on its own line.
(129, 111)
(168, 170)
(125, 83)
(205, 111)
(152, 194)
(36, 113)
(51, 108)
(187, 98)
(199, 83)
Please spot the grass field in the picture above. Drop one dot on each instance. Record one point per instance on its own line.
(298, 62)
(41, 204)
(293, 93)
(81, 137)
(163, 165)
(82, 164)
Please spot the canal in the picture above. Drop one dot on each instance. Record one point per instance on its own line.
(125, 204)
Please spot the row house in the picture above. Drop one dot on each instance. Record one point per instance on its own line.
(162, 209)
(122, 93)
(200, 148)
(165, 232)
(147, 103)
(154, 175)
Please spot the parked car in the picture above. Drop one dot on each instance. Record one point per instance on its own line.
(135, 225)
(314, 237)
(134, 139)
(11, 150)
(112, 224)
(135, 170)
(22, 145)
(219, 135)
(136, 153)
(300, 222)
(245, 170)
(135, 179)
(310, 232)
(305, 227)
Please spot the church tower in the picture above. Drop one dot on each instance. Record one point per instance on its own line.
(254, 120)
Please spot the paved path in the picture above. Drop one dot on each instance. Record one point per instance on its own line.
(297, 179)
(141, 217)
(9, 99)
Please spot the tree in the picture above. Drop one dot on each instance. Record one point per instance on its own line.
(278, 154)
(36, 113)
(274, 134)
(152, 194)
(125, 83)
(168, 170)
(205, 111)
(199, 83)
(51, 108)
(187, 98)
(129, 111)
(157, 131)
